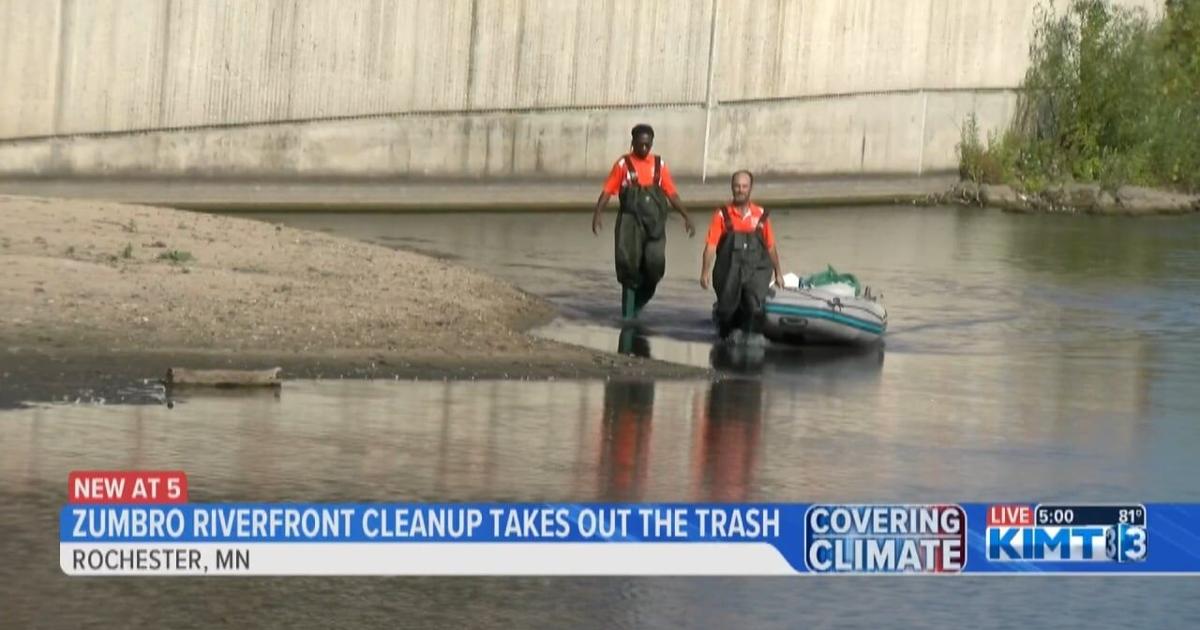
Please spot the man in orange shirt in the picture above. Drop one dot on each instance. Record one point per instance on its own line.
(647, 192)
(742, 244)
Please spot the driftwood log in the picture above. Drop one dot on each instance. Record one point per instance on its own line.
(224, 378)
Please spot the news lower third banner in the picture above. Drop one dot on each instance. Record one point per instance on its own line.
(141, 523)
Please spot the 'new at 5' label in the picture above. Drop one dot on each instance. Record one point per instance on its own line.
(127, 486)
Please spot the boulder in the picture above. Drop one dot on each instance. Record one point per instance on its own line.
(1083, 197)
(1004, 198)
(1137, 200)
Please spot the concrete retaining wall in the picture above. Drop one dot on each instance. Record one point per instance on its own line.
(499, 88)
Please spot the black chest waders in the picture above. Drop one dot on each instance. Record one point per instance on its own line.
(640, 247)
(741, 277)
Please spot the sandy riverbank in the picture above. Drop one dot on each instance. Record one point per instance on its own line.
(132, 289)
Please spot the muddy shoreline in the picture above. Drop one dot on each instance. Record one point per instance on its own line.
(99, 299)
(80, 376)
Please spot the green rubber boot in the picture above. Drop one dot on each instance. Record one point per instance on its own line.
(628, 303)
(640, 299)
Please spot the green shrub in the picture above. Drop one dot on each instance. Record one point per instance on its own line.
(1109, 97)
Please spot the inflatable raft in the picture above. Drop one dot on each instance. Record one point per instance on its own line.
(825, 308)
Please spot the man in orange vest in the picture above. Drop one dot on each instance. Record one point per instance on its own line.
(647, 192)
(741, 243)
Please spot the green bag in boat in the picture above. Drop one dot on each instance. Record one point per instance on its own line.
(831, 276)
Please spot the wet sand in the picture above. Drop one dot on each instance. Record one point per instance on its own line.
(97, 292)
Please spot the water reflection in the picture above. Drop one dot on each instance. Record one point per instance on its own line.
(625, 439)
(725, 459)
(777, 361)
(738, 358)
(726, 420)
(183, 394)
(1099, 247)
(835, 430)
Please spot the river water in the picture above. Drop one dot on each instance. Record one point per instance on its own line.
(1028, 358)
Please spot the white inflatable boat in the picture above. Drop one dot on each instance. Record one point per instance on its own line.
(837, 312)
